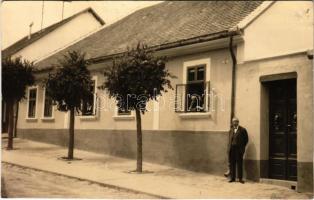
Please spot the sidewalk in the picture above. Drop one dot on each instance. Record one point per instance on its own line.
(161, 181)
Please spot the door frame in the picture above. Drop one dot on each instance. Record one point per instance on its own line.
(264, 117)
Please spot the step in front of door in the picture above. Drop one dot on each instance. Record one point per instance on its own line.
(284, 183)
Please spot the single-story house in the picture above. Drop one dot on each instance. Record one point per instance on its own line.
(39, 45)
(252, 59)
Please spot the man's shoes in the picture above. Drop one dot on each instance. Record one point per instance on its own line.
(226, 174)
(241, 181)
(231, 180)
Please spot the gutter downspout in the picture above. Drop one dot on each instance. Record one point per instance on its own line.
(237, 31)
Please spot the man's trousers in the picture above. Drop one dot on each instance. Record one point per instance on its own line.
(236, 161)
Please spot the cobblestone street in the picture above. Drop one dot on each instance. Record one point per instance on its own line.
(24, 182)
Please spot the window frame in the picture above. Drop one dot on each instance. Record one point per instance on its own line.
(195, 74)
(36, 103)
(116, 115)
(95, 101)
(194, 64)
(131, 116)
(123, 114)
(195, 81)
(43, 117)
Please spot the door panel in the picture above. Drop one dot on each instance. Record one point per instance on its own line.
(278, 144)
(292, 170)
(276, 166)
(282, 130)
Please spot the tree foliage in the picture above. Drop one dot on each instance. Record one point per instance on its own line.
(17, 74)
(69, 86)
(136, 78)
(133, 80)
(71, 82)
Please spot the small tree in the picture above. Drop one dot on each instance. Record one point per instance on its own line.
(133, 80)
(68, 87)
(17, 74)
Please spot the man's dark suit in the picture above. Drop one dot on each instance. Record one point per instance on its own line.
(236, 149)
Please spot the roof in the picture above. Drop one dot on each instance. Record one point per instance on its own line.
(25, 41)
(161, 24)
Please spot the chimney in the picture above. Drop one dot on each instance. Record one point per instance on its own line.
(30, 30)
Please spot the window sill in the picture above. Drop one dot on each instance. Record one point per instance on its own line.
(195, 115)
(31, 119)
(124, 117)
(88, 117)
(48, 119)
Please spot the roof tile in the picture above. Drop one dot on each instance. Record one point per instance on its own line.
(166, 22)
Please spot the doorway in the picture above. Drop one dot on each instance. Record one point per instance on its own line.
(283, 129)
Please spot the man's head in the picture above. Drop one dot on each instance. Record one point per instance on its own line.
(235, 122)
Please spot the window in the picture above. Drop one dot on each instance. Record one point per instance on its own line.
(48, 106)
(122, 114)
(122, 111)
(32, 100)
(195, 87)
(89, 105)
(193, 94)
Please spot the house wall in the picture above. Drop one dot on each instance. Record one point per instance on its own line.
(61, 37)
(168, 138)
(220, 76)
(252, 112)
(38, 122)
(286, 27)
(276, 43)
(167, 118)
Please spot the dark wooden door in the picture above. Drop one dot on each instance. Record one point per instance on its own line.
(283, 130)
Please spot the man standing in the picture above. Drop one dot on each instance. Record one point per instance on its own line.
(238, 139)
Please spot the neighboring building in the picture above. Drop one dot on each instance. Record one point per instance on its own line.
(41, 44)
(273, 43)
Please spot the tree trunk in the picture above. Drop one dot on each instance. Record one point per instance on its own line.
(139, 140)
(10, 108)
(16, 116)
(71, 134)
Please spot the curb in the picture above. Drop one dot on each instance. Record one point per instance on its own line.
(88, 180)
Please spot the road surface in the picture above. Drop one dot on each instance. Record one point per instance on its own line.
(20, 182)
